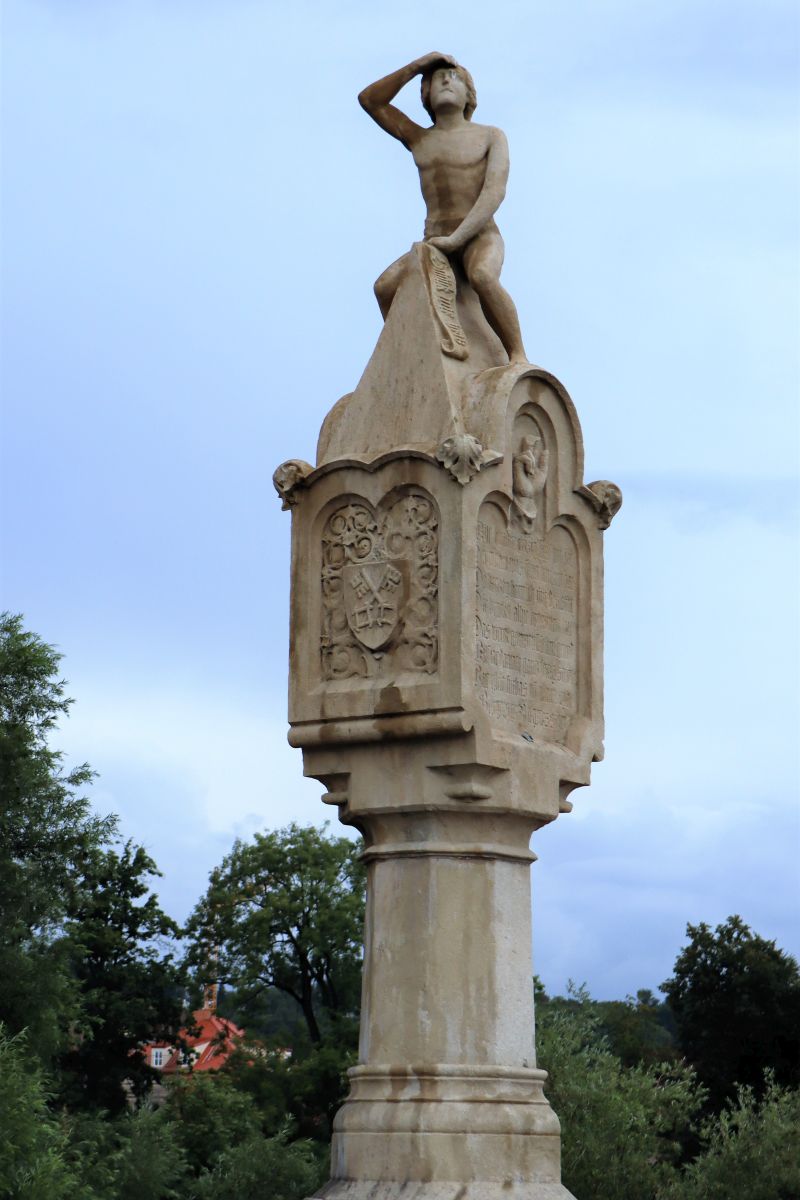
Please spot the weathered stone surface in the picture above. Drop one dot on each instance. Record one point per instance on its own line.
(446, 689)
(412, 392)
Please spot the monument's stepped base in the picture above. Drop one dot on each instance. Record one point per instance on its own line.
(509, 1189)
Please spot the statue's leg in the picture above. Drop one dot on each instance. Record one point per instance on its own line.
(483, 261)
(387, 284)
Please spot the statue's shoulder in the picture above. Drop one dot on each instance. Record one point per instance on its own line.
(490, 132)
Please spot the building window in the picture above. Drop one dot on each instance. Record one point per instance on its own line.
(158, 1058)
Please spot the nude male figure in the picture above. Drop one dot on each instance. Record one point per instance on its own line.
(463, 171)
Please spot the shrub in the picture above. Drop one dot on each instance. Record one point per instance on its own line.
(264, 1169)
(32, 1143)
(622, 1128)
(750, 1150)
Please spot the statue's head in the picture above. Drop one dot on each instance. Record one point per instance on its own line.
(446, 85)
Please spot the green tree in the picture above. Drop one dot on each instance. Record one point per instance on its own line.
(265, 1075)
(750, 1150)
(46, 832)
(32, 1143)
(736, 1002)
(284, 915)
(207, 1115)
(622, 1128)
(264, 1169)
(286, 911)
(129, 1157)
(129, 986)
(639, 1029)
(147, 1164)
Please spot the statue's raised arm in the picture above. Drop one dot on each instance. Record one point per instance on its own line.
(376, 99)
(463, 171)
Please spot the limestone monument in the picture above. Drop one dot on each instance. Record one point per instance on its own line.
(446, 677)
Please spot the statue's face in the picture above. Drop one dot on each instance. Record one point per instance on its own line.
(448, 89)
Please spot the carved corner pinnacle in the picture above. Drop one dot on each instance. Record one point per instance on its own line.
(288, 477)
(462, 456)
(606, 499)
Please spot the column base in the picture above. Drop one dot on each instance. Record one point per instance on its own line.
(376, 1189)
(446, 1132)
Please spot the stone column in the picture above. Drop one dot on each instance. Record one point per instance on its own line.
(446, 688)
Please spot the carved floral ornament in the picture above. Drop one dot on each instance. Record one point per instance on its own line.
(462, 456)
(380, 611)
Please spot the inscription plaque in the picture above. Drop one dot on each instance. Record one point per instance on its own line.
(526, 659)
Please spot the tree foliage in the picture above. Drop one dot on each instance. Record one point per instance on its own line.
(286, 911)
(46, 832)
(32, 1145)
(231, 1152)
(736, 1001)
(264, 1169)
(622, 1128)
(129, 986)
(750, 1150)
(639, 1029)
(87, 962)
(84, 964)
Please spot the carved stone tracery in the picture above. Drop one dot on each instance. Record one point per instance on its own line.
(380, 588)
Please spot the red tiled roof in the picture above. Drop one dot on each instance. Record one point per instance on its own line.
(213, 1043)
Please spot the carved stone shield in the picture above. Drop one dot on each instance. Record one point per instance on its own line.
(375, 593)
(379, 581)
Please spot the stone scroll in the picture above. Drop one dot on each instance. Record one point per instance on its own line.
(442, 290)
(526, 654)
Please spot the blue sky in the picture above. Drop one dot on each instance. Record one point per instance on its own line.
(194, 210)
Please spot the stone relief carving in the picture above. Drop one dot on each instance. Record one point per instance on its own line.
(442, 290)
(379, 584)
(288, 477)
(528, 477)
(462, 455)
(606, 498)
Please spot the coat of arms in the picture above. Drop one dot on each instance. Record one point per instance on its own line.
(380, 589)
(374, 597)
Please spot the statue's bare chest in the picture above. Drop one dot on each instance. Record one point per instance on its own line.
(465, 149)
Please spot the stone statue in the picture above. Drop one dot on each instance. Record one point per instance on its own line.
(446, 678)
(463, 171)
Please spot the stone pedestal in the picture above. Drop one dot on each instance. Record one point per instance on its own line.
(446, 689)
